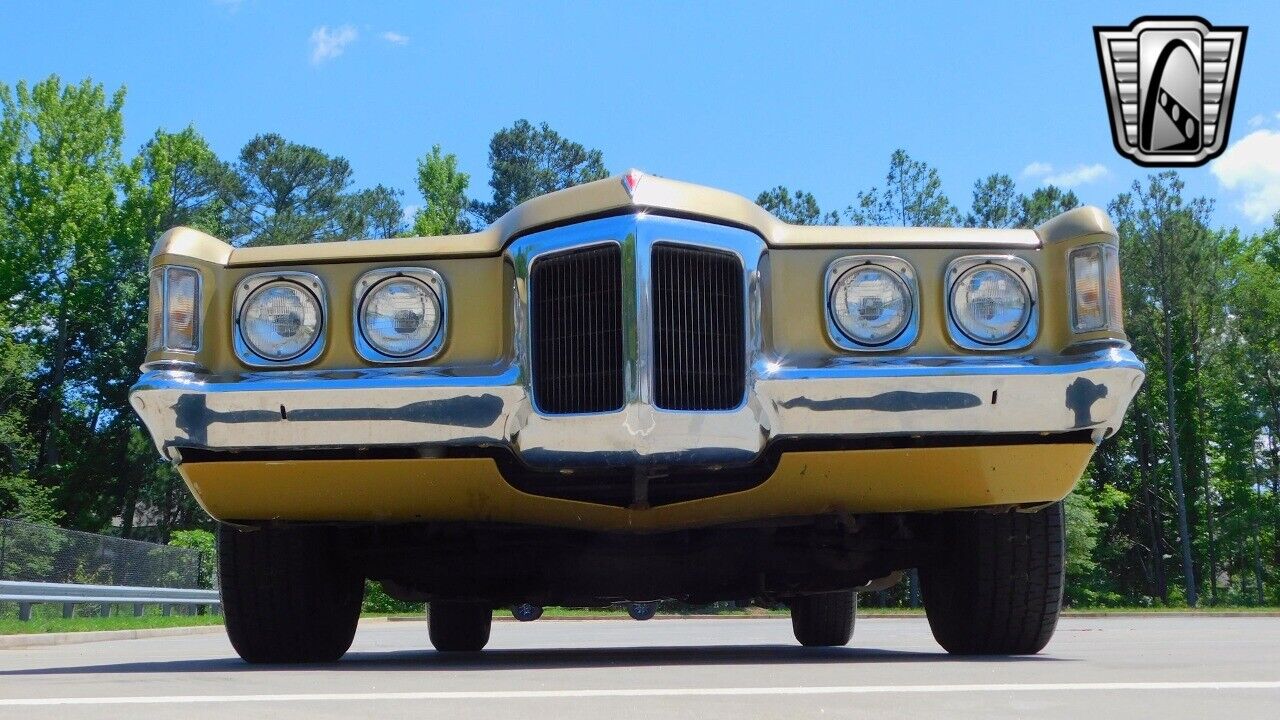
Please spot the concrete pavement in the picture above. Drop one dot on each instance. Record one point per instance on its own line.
(1094, 668)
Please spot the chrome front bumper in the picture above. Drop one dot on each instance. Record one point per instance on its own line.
(431, 409)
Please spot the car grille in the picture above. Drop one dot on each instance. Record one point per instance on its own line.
(576, 317)
(699, 348)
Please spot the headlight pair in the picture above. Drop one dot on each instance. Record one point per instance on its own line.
(873, 302)
(397, 315)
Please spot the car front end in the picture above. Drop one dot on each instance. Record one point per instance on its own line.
(631, 363)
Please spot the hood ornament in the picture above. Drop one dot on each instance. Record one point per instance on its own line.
(630, 179)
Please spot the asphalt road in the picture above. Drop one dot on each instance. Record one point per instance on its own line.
(556, 670)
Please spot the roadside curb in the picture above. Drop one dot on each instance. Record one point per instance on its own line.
(76, 638)
(499, 616)
(1175, 614)
(89, 636)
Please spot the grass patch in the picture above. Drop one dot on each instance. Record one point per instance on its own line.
(1207, 610)
(14, 626)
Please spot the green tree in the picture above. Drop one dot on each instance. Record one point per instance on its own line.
(183, 182)
(528, 161)
(21, 497)
(1082, 528)
(1162, 238)
(1254, 360)
(202, 541)
(797, 208)
(63, 177)
(995, 203)
(17, 365)
(372, 213)
(288, 193)
(444, 193)
(912, 197)
(1043, 204)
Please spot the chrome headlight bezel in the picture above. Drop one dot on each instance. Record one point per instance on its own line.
(904, 272)
(367, 282)
(1022, 271)
(247, 287)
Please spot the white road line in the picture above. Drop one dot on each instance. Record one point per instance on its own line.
(640, 692)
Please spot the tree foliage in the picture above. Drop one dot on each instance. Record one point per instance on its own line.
(372, 213)
(1043, 204)
(444, 195)
(798, 208)
(529, 160)
(912, 196)
(204, 543)
(21, 497)
(995, 203)
(183, 182)
(287, 193)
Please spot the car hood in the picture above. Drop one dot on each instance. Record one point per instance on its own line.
(638, 193)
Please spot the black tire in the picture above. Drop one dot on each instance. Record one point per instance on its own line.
(824, 620)
(993, 585)
(459, 627)
(287, 593)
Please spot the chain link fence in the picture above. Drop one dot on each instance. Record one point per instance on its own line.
(38, 553)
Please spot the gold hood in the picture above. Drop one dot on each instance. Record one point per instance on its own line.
(631, 192)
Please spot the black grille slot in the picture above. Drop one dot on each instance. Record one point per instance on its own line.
(576, 313)
(699, 350)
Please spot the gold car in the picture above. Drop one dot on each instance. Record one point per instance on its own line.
(632, 390)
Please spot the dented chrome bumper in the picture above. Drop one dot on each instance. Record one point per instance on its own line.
(432, 409)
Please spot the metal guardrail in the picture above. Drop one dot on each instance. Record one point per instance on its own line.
(27, 594)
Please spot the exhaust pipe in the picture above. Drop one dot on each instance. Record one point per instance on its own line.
(526, 612)
(642, 610)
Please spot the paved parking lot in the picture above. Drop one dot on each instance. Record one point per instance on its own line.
(741, 668)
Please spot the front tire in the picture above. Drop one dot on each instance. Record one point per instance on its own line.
(459, 627)
(287, 594)
(993, 585)
(824, 620)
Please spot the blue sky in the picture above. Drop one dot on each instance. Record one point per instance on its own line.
(743, 96)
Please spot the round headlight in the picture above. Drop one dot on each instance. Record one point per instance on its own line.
(280, 320)
(400, 316)
(871, 304)
(990, 304)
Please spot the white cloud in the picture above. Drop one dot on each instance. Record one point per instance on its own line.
(409, 213)
(395, 38)
(1252, 167)
(230, 6)
(1037, 169)
(327, 44)
(1257, 121)
(1081, 174)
